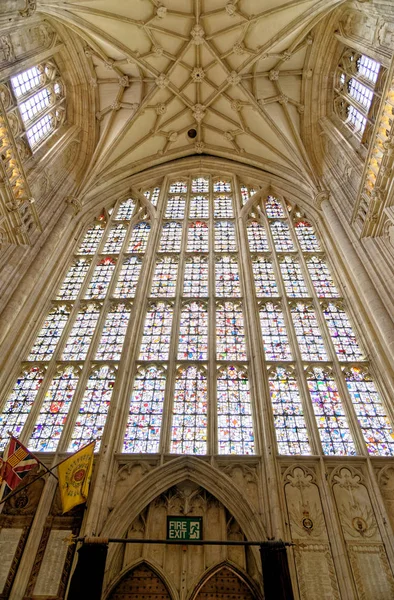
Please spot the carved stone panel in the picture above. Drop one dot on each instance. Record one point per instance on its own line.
(315, 571)
(386, 484)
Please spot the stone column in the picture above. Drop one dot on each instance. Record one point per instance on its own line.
(377, 311)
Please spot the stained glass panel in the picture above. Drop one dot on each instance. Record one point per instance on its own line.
(225, 240)
(139, 237)
(91, 240)
(189, 420)
(146, 411)
(307, 237)
(235, 424)
(289, 420)
(264, 277)
(258, 241)
(154, 197)
(197, 237)
(282, 237)
(200, 185)
(115, 239)
(125, 210)
(49, 336)
(54, 411)
(274, 208)
(329, 412)
(273, 329)
(221, 186)
(321, 277)
(195, 281)
(308, 333)
(342, 334)
(94, 408)
(101, 278)
(19, 403)
(156, 336)
(74, 279)
(178, 187)
(193, 332)
(165, 277)
(223, 207)
(78, 341)
(171, 237)
(199, 207)
(244, 194)
(175, 207)
(371, 413)
(114, 331)
(128, 278)
(230, 334)
(227, 277)
(293, 278)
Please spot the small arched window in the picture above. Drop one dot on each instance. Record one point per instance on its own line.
(40, 95)
(356, 86)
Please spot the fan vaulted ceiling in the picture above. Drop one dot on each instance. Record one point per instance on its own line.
(231, 70)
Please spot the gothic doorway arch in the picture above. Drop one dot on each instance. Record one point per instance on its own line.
(224, 583)
(140, 582)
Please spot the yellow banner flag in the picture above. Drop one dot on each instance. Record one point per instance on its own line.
(74, 477)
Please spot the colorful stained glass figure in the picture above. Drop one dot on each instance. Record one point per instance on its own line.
(74, 279)
(246, 193)
(307, 237)
(329, 412)
(197, 236)
(235, 423)
(93, 410)
(19, 403)
(221, 186)
(50, 333)
(321, 277)
(193, 332)
(274, 208)
(101, 279)
(139, 238)
(257, 236)
(128, 278)
(171, 237)
(178, 187)
(289, 420)
(273, 329)
(342, 334)
(230, 334)
(165, 277)
(115, 238)
(308, 333)
(371, 413)
(199, 207)
(114, 331)
(227, 277)
(54, 411)
(91, 240)
(293, 278)
(195, 281)
(189, 419)
(154, 196)
(282, 237)
(156, 335)
(223, 207)
(146, 411)
(175, 207)
(264, 277)
(125, 210)
(200, 185)
(78, 341)
(225, 240)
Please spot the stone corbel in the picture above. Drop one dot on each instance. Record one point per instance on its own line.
(75, 203)
(320, 198)
(29, 9)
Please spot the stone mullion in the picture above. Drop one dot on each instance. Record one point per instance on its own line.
(285, 302)
(30, 61)
(212, 362)
(165, 440)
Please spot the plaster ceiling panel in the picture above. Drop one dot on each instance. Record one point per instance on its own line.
(278, 115)
(131, 10)
(253, 147)
(291, 87)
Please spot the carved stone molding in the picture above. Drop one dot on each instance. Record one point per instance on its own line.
(30, 8)
(321, 197)
(75, 202)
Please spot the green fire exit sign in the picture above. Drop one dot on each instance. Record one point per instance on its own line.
(184, 528)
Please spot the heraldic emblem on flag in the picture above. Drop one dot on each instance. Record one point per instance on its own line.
(17, 461)
(74, 477)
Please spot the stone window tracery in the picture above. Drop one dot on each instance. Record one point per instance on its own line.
(170, 301)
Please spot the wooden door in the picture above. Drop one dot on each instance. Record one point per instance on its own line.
(140, 584)
(225, 585)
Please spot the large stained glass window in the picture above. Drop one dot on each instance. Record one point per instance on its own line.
(223, 305)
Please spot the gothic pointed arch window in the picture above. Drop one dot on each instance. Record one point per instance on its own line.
(186, 310)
